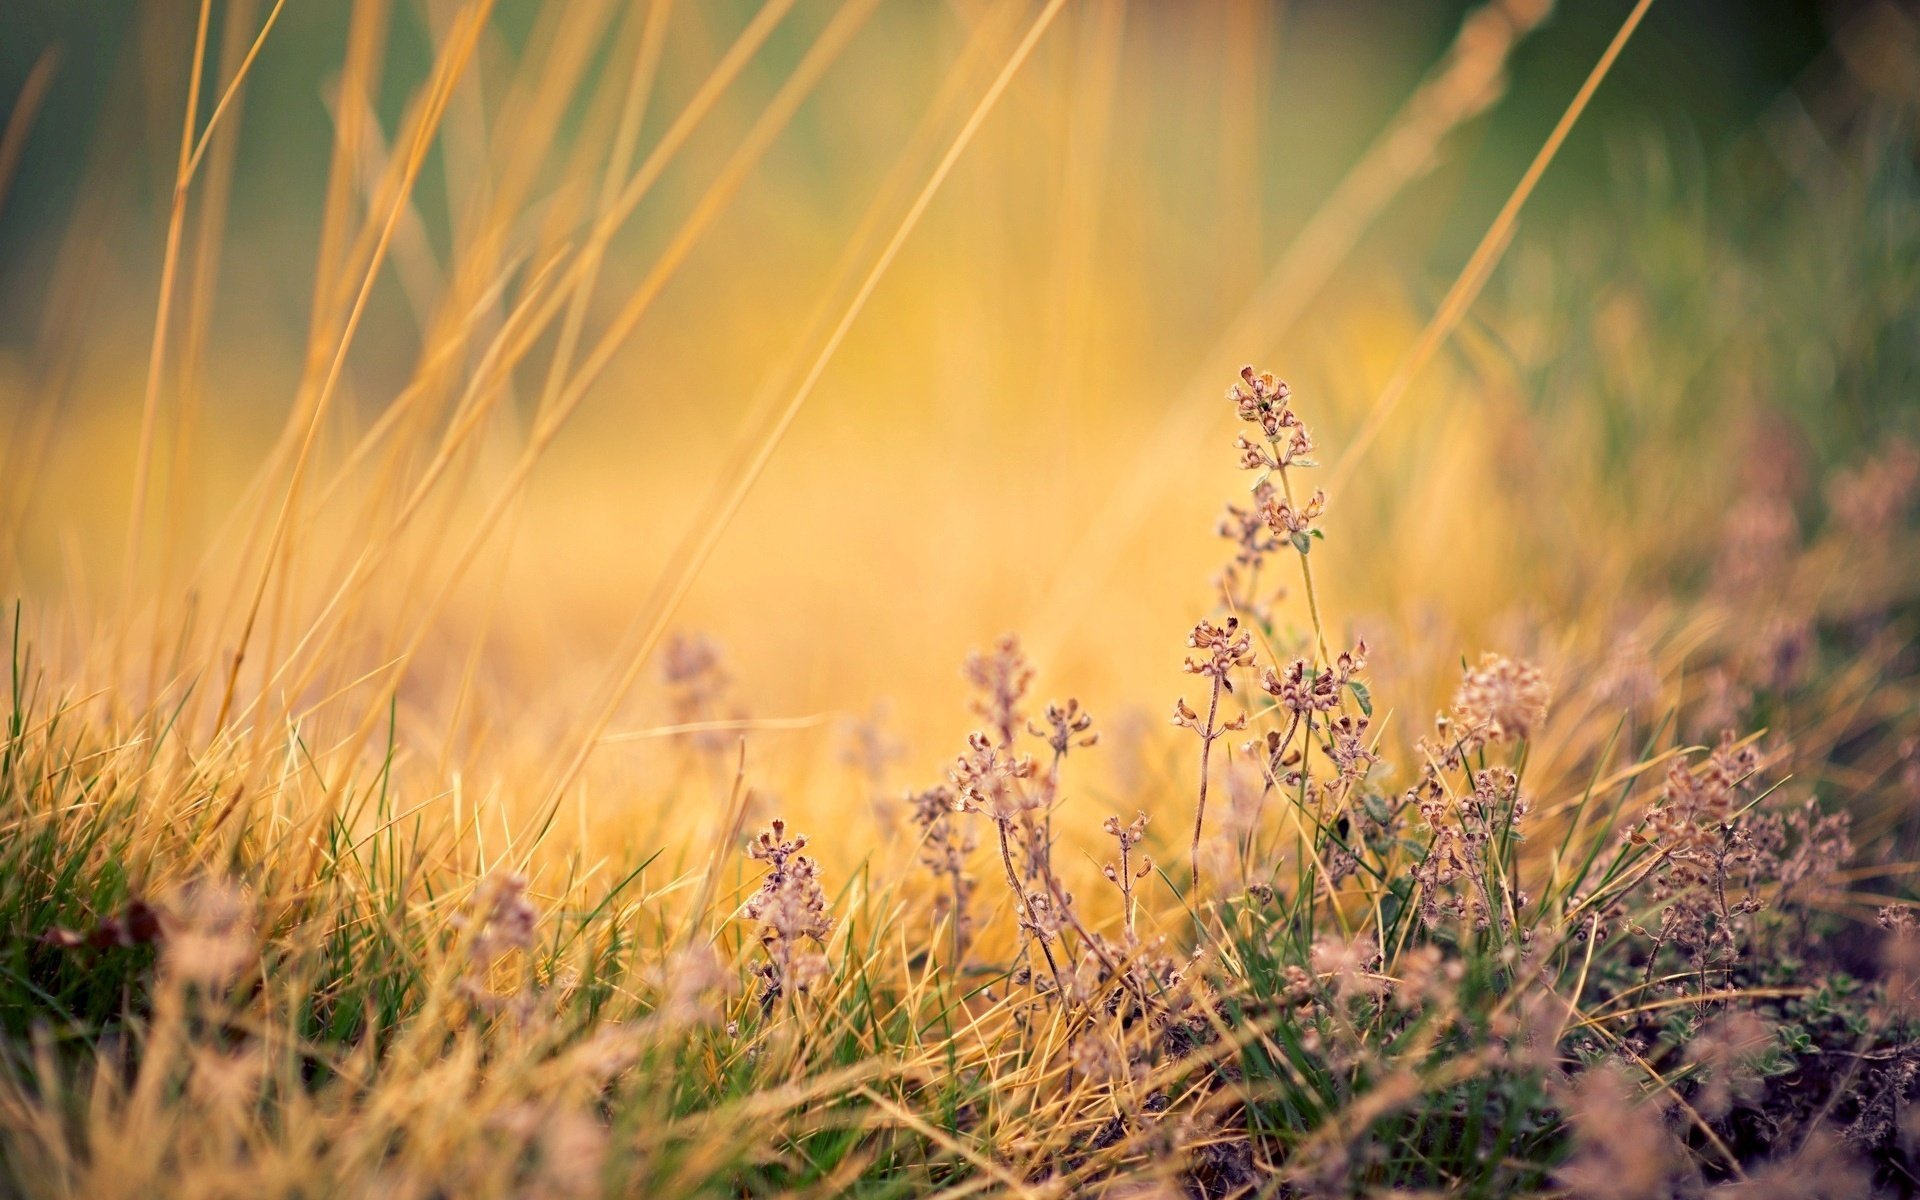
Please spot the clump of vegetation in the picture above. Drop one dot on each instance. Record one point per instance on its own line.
(1630, 914)
(1396, 967)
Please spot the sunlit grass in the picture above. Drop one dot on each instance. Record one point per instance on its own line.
(374, 826)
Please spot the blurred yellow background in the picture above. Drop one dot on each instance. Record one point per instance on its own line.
(1022, 429)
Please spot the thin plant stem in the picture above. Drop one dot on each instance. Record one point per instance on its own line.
(1026, 905)
(1207, 738)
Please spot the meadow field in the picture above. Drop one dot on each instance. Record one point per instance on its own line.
(897, 598)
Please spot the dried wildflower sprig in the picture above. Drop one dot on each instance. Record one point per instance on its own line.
(503, 920)
(1224, 649)
(1501, 700)
(1297, 525)
(1253, 540)
(1262, 401)
(945, 845)
(792, 910)
(697, 685)
(1467, 835)
(1068, 727)
(1001, 679)
(1698, 826)
(872, 751)
(987, 779)
(1126, 873)
(1304, 691)
(1472, 828)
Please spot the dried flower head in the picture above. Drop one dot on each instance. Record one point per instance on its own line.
(1068, 725)
(792, 910)
(986, 778)
(507, 919)
(1000, 679)
(1248, 530)
(945, 844)
(1500, 700)
(1223, 648)
(1710, 848)
(697, 682)
(1456, 877)
(1261, 400)
(1127, 872)
(1295, 523)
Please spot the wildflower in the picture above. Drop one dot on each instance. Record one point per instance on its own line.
(1822, 843)
(1261, 400)
(986, 779)
(1303, 691)
(1347, 743)
(792, 910)
(1501, 700)
(944, 847)
(1224, 649)
(697, 684)
(1254, 540)
(1692, 822)
(508, 919)
(1067, 727)
(1295, 523)
(1001, 679)
(1462, 833)
(1126, 873)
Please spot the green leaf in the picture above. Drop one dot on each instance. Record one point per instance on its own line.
(1361, 694)
(1376, 804)
(1300, 542)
